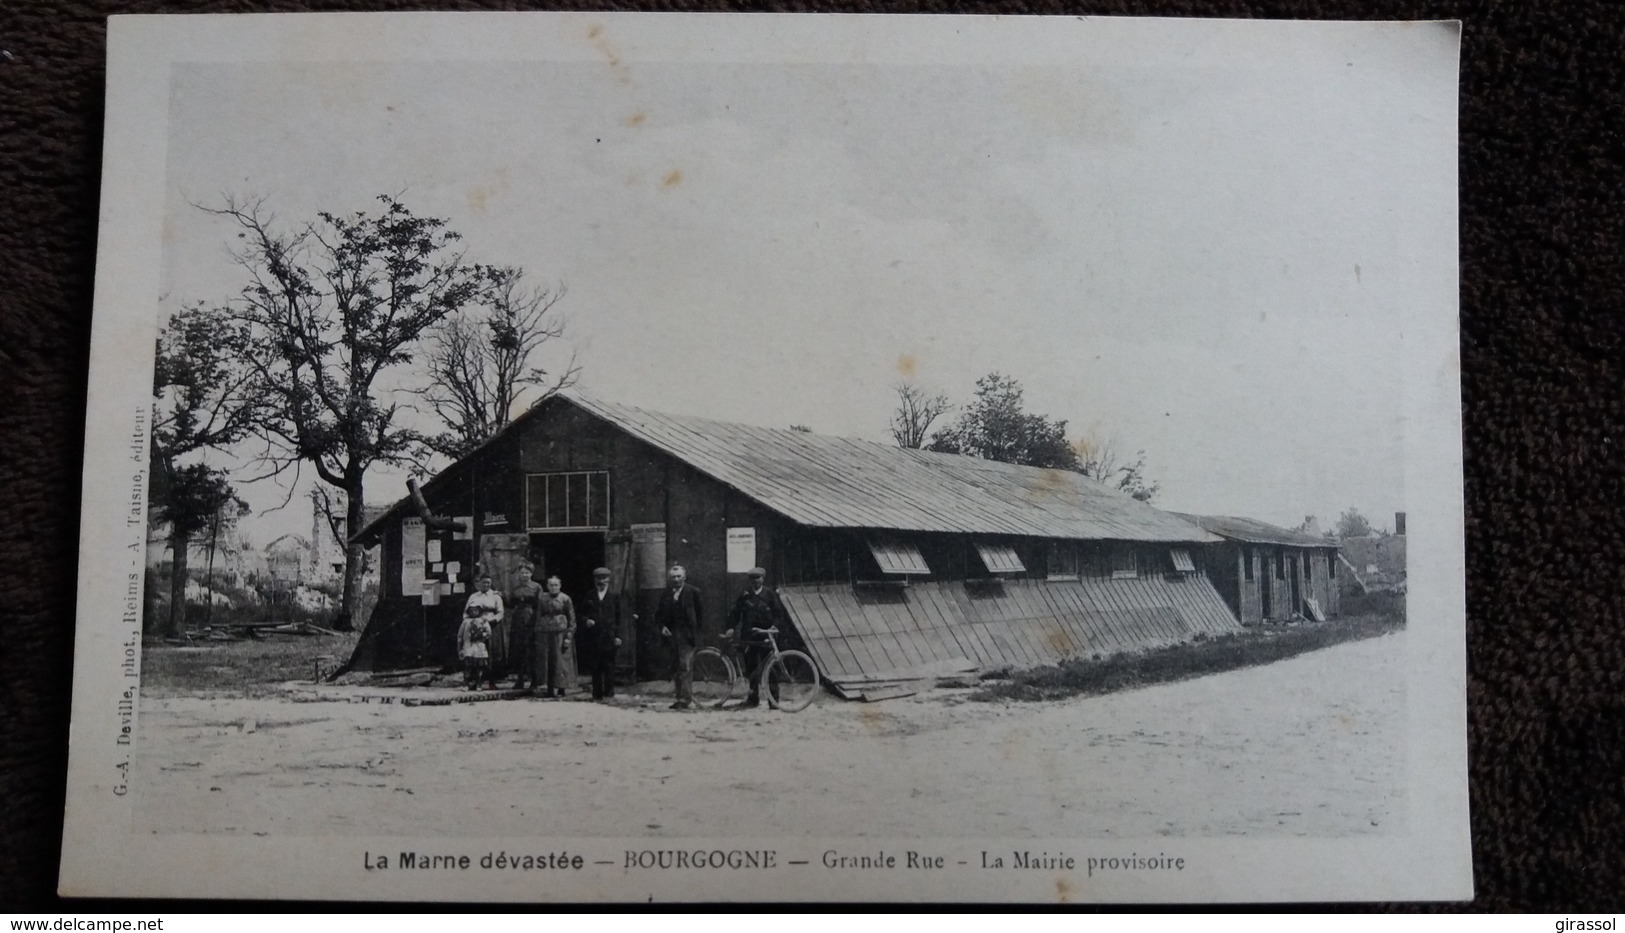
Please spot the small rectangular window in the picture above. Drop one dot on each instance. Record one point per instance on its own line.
(1280, 564)
(898, 557)
(576, 511)
(1063, 560)
(1124, 565)
(598, 500)
(557, 514)
(1247, 563)
(999, 558)
(536, 501)
(1331, 566)
(1182, 560)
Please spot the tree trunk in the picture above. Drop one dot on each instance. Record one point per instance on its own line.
(354, 560)
(176, 623)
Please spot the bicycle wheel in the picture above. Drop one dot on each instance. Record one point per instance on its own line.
(714, 679)
(791, 681)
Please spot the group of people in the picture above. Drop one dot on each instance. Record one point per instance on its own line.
(756, 612)
(530, 633)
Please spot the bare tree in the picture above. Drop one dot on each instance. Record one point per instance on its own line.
(201, 400)
(329, 308)
(484, 369)
(1100, 459)
(916, 411)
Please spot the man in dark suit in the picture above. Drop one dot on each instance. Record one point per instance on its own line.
(755, 611)
(600, 633)
(678, 617)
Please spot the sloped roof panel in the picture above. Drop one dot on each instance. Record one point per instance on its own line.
(1253, 531)
(839, 482)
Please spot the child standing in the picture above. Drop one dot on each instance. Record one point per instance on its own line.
(474, 635)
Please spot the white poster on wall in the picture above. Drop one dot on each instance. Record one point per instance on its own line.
(741, 549)
(412, 553)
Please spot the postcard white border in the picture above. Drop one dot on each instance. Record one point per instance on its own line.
(101, 857)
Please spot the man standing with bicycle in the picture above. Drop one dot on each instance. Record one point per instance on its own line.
(755, 611)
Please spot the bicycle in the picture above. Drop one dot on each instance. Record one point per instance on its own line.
(789, 680)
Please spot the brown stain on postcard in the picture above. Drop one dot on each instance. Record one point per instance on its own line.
(672, 179)
(907, 366)
(479, 196)
(1050, 482)
(636, 119)
(595, 35)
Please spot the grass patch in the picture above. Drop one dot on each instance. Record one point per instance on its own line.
(1246, 648)
(243, 668)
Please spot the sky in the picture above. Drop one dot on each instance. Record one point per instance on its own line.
(1211, 258)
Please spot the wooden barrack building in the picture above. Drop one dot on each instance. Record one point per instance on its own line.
(890, 561)
(1266, 573)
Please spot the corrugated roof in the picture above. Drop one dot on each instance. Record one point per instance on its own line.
(842, 482)
(1253, 531)
(838, 482)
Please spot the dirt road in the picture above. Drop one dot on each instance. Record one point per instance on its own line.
(1310, 746)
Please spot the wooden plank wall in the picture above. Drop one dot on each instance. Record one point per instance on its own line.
(857, 632)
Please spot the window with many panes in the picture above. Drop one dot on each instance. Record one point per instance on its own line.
(566, 500)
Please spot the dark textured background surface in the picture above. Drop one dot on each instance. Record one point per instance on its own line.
(1543, 315)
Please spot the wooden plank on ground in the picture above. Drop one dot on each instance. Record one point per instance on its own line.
(891, 692)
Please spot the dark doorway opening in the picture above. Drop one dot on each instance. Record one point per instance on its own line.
(570, 556)
(1297, 587)
(1266, 590)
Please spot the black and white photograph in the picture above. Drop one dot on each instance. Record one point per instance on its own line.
(612, 457)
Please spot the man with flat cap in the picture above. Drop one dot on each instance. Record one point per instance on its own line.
(756, 610)
(600, 634)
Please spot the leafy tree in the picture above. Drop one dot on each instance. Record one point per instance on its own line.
(916, 411)
(996, 426)
(330, 307)
(201, 399)
(482, 366)
(1351, 524)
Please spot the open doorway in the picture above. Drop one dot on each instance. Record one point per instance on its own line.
(1266, 588)
(569, 555)
(1297, 566)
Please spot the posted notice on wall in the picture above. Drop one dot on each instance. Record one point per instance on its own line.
(741, 549)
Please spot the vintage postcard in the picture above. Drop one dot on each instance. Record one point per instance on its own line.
(614, 457)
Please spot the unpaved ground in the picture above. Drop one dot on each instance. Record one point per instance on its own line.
(1309, 746)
